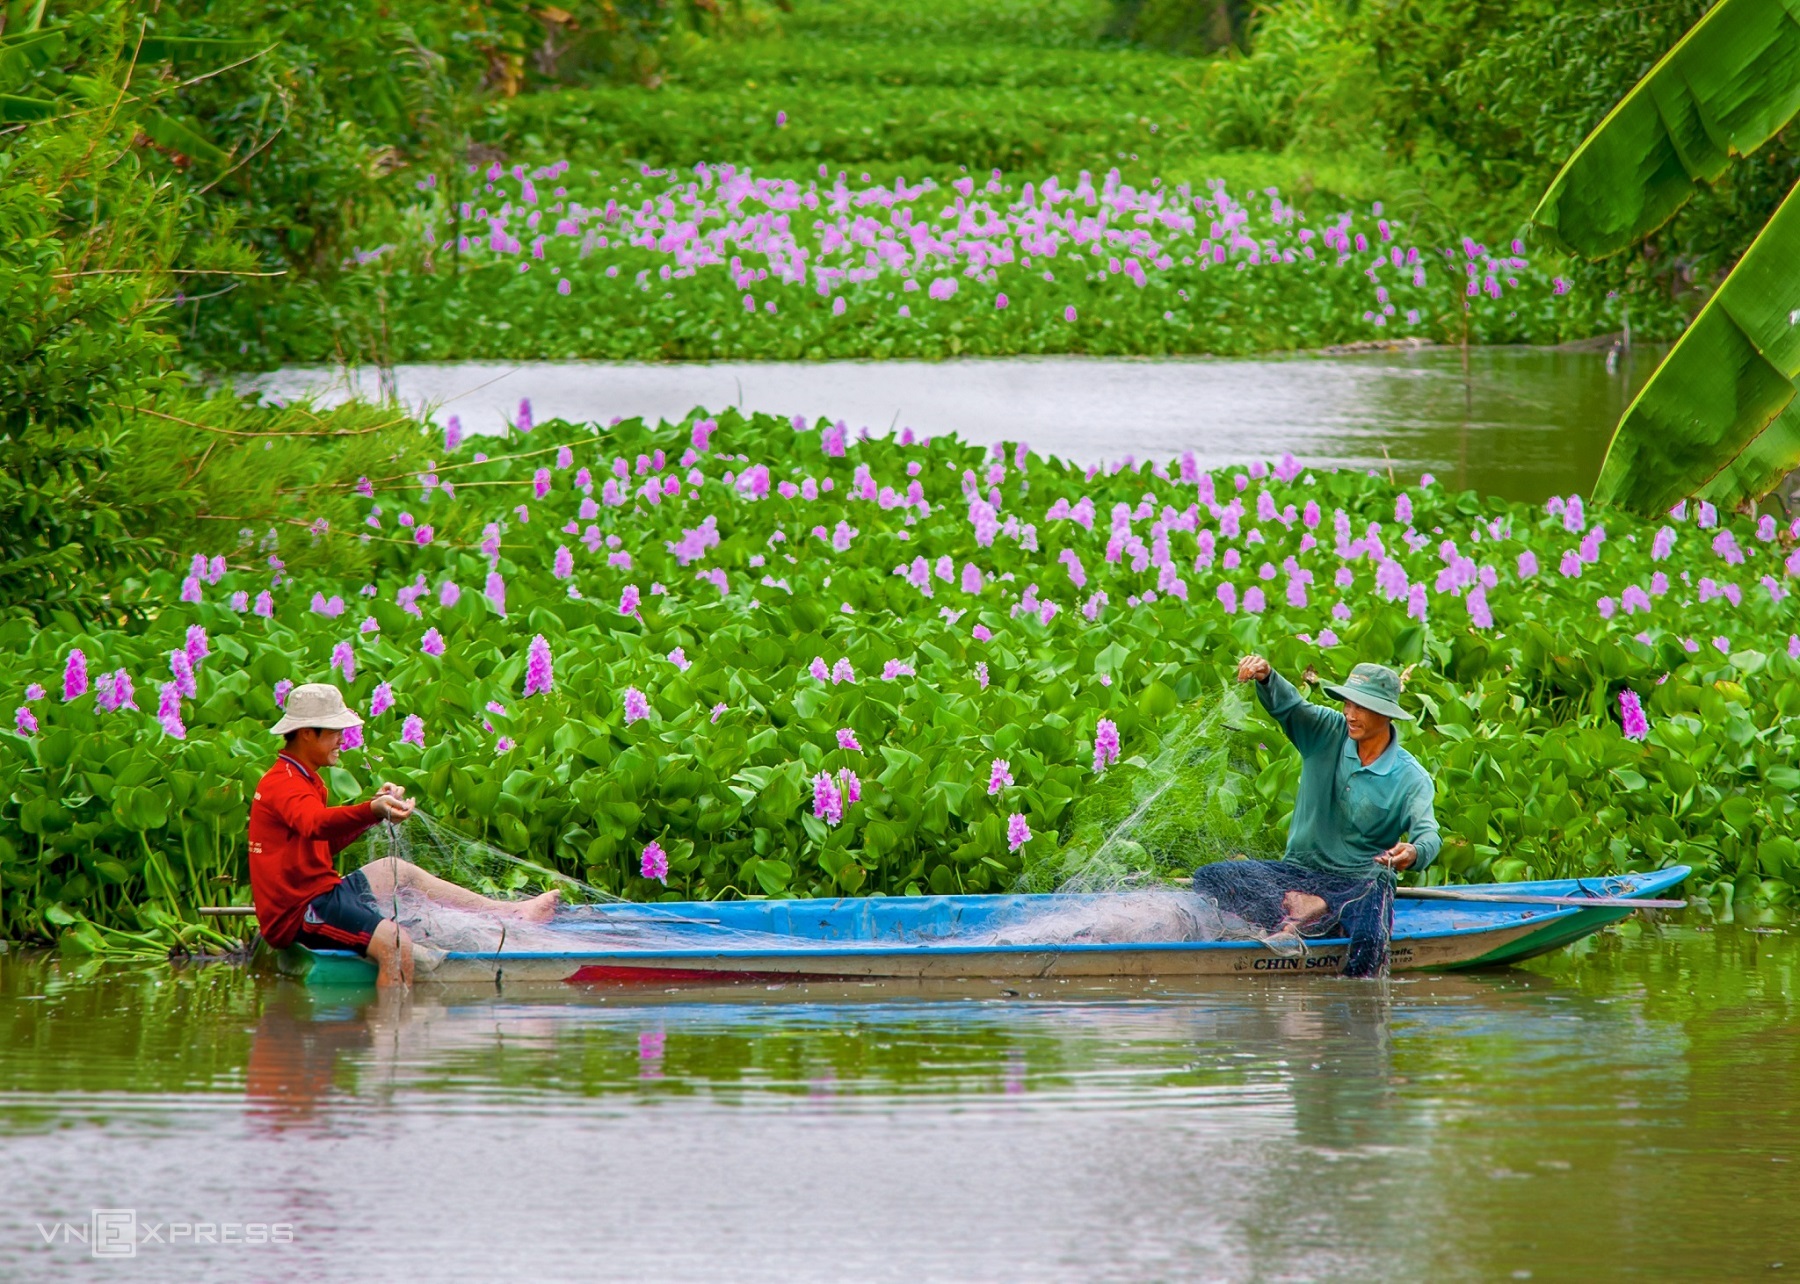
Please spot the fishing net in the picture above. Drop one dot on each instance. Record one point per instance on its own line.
(1180, 815)
(1157, 815)
(1258, 892)
(1125, 875)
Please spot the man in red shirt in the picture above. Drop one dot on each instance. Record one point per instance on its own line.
(295, 839)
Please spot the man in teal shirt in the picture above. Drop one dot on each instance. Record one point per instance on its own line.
(1364, 811)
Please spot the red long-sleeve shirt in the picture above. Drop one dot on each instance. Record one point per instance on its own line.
(294, 837)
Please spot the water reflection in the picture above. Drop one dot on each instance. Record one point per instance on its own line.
(1617, 1111)
(1523, 423)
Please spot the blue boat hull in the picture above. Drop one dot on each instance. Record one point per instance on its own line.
(923, 938)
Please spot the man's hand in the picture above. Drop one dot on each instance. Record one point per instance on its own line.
(389, 787)
(1398, 857)
(1253, 668)
(395, 806)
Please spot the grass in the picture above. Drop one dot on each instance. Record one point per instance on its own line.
(983, 84)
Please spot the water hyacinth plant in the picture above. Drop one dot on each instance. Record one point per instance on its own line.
(722, 262)
(844, 724)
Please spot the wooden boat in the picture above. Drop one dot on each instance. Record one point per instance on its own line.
(927, 937)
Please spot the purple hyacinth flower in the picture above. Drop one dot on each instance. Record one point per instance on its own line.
(412, 731)
(1631, 715)
(999, 776)
(1018, 833)
(25, 721)
(539, 680)
(637, 707)
(183, 673)
(432, 643)
(1106, 744)
(828, 799)
(168, 711)
(75, 675)
(654, 862)
(846, 739)
(382, 700)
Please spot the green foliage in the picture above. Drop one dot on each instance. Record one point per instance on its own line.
(110, 821)
(87, 236)
(1182, 26)
(1726, 88)
(1467, 109)
(1718, 416)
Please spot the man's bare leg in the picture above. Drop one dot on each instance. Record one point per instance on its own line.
(392, 949)
(384, 873)
(1301, 909)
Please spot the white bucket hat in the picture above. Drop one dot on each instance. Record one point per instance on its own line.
(317, 704)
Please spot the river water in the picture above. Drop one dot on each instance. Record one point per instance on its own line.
(1624, 1110)
(1523, 423)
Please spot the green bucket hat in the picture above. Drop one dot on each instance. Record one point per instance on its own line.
(1375, 687)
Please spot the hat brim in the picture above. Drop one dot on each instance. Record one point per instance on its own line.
(328, 722)
(1369, 700)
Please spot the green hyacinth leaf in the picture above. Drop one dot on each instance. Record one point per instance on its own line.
(1719, 417)
(1728, 86)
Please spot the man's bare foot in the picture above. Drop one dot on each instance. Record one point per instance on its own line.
(539, 908)
(1302, 908)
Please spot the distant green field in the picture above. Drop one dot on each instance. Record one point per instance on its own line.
(1025, 86)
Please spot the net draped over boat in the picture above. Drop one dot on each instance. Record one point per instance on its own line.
(1129, 911)
(1125, 875)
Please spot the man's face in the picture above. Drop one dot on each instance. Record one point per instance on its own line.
(321, 744)
(1365, 724)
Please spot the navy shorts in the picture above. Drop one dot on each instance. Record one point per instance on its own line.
(342, 919)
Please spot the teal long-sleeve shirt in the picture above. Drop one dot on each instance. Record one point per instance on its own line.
(1347, 814)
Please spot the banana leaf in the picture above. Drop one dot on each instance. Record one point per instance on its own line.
(16, 107)
(1720, 411)
(22, 55)
(169, 48)
(25, 15)
(1725, 89)
(1756, 471)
